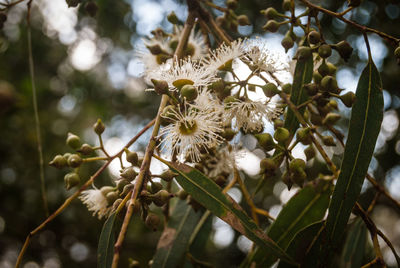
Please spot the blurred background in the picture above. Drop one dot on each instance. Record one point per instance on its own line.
(87, 68)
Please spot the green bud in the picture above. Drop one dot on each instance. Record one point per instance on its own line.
(270, 13)
(266, 141)
(217, 86)
(91, 8)
(160, 87)
(172, 18)
(332, 69)
(230, 99)
(251, 88)
(297, 165)
(58, 162)
(287, 5)
(155, 187)
(106, 189)
(71, 180)
(73, 141)
(317, 77)
(129, 174)
(168, 175)
(344, 49)
(328, 141)
(131, 157)
(331, 118)
(86, 149)
(225, 92)
(333, 104)
(116, 204)
(270, 90)
(271, 26)
(189, 92)
(311, 89)
(348, 99)
(316, 119)
(278, 123)
(286, 179)
(99, 127)
(243, 20)
(152, 221)
(287, 42)
(281, 134)
(287, 88)
(304, 135)
(268, 165)
(121, 184)
(309, 152)
(111, 197)
(228, 134)
(182, 194)
(231, 4)
(299, 178)
(324, 51)
(329, 83)
(127, 188)
(314, 37)
(303, 53)
(74, 160)
(161, 197)
(323, 69)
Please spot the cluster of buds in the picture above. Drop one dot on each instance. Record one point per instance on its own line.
(230, 20)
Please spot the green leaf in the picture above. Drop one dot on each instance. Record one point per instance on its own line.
(302, 75)
(300, 248)
(365, 123)
(175, 238)
(105, 249)
(209, 194)
(201, 236)
(354, 248)
(306, 207)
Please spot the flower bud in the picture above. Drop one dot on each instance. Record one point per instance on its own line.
(243, 20)
(348, 99)
(270, 90)
(329, 83)
(397, 52)
(331, 118)
(316, 119)
(270, 13)
(86, 149)
(91, 8)
(135, 263)
(314, 37)
(265, 140)
(131, 157)
(317, 77)
(127, 188)
(287, 42)
(304, 135)
(278, 123)
(281, 134)
(129, 174)
(58, 162)
(160, 87)
(251, 88)
(286, 179)
(161, 197)
(106, 189)
(231, 4)
(217, 86)
(268, 165)
(111, 197)
(121, 184)
(182, 194)
(168, 175)
(303, 53)
(155, 187)
(74, 160)
(73, 141)
(297, 165)
(71, 180)
(116, 204)
(344, 49)
(309, 152)
(328, 141)
(99, 127)
(228, 134)
(332, 68)
(287, 88)
(152, 221)
(271, 26)
(324, 51)
(172, 18)
(189, 92)
(311, 89)
(299, 178)
(287, 5)
(323, 69)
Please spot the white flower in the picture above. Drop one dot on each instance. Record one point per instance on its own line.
(264, 59)
(182, 72)
(96, 202)
(249, 114)
(191, 131)
(222, 57)
(206, 101)
(196, 46)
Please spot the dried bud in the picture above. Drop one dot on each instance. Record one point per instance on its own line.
(271, 26)
(331, 118)
(314, 37)
(99, 127)
(58, 162)
(303, 53)
(73, 141)
(324, 51)
(309, 152)
(152, 221)
(266, 141)
(189, 92)
(131, 157)
(71, 180)
(86, 149)
(172, 18)
(129, 174)
(348, 99)
(344, 49)
(270, 90)
(91, 8)
(281, 134)
(243, 20)
(160, 87)
(168, 175)
(74, 160)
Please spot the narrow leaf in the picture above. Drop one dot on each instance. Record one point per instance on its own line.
(365, 123)
(105, 249)
(210, 195)
(354, 248)
(306, 207)
(174, 240)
